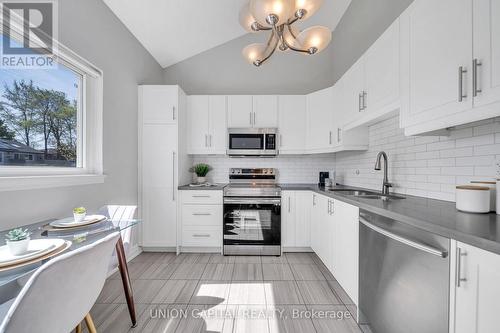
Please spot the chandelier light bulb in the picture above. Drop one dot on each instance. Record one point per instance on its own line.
(254, 53)
(308, 6)
(246, 19)
(315, 39)
(265, 11)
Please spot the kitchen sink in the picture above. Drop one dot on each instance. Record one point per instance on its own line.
(365, 194)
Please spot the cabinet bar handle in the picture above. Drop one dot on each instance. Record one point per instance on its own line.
(201, 235)
(460, 254)
(339, 132)
(360, 96)
(173, 112)
(254, 118)
(202, 214)
(461, 72)
(330, 139)
(365, 95)
(200, 196)
(475, 64)
(210, 140)
(173, 176)
(333, 208)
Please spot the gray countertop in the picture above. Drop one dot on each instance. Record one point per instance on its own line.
(436, 216)
(213, 187)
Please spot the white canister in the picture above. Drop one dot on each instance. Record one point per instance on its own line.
(492, 185)
(473, 199)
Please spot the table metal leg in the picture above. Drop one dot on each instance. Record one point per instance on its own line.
(127, 286)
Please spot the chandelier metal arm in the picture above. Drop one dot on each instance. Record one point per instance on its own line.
(273, 49)
(308, 51)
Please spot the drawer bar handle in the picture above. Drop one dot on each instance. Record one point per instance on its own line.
(202, 214)
(201, 196)
(201, 235)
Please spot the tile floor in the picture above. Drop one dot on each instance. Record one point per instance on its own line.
(213, 293)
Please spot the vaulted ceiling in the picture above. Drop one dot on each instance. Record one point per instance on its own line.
(174, 30)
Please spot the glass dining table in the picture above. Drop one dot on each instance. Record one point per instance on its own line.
(12, 280)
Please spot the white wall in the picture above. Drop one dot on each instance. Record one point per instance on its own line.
(425, 166)
(89, 28)
(292, 169)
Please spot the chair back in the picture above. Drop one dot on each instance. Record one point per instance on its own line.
(62, 291)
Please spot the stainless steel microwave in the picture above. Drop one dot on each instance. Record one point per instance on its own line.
(256, 142)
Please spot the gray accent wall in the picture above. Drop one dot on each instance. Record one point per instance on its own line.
(90, 29)
(222, 70)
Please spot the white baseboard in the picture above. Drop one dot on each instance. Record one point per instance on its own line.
(134, 252)
(297, 249)
(159, 249)
(195, 249)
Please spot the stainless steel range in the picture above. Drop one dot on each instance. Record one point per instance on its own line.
(252, 213)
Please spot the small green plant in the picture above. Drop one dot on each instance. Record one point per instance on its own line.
(17, 235)
(79, 210)
(200, 169)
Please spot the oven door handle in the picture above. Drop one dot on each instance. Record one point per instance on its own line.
(251, 201)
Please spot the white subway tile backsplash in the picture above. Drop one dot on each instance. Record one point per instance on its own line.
(429, 166)
(291, 169)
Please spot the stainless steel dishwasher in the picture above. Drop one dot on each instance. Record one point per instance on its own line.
(403, 277)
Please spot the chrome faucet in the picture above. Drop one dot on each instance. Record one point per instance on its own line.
(385, 185)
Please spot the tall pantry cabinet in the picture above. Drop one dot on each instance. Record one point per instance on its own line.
(162, 162)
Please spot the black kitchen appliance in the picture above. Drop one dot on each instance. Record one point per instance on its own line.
(322, 176)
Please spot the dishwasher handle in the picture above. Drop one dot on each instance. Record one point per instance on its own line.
(414, 244)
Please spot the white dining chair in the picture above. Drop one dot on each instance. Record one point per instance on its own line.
(117, 214)
(60, 294)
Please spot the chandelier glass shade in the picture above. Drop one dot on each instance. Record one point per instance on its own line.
(277, 17)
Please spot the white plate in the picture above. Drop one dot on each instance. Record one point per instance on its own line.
(69, 222)
(36, 248)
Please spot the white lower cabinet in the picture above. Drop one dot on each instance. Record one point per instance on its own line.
(334, 238)
(346, 247)
(295, 219)
(201, 219)
(477, 290)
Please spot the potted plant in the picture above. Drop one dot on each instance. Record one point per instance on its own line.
(79, 214)
(201, 170)
(18, 241)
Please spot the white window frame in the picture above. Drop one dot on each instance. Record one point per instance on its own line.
(89, 169)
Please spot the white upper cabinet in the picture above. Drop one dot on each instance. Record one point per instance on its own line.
(476, 290)
(381, 74)
(159, 104)
(239, 111)
(207, 124)
(436, 49)
(352, 83)
(320, 120)
(486, 57)
(217, 106)
(198, 119)
(265, 111)
(292, 120)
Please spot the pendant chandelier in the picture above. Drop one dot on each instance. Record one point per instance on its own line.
(278, 17)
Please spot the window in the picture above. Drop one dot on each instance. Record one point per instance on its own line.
(50, 123)
(40, 114)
